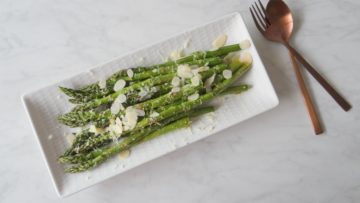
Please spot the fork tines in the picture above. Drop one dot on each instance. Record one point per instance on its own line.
(261, 21)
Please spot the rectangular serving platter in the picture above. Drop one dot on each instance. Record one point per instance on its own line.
(44, 105)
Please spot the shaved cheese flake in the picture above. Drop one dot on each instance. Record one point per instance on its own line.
(154, 89)
(220, 41)
(118, 121)
(230, 56)
(124, 154)
(120, 99)
(130, 119)
(143, 92)
(130, 73)
(95, 130)
(245, 44)
(175, 55)
(175, 82)
(140, 112)
(117, 104)
(184, 71)
(246, 58)
(227, 74)
(102, 83)
(203, 68)
(187, 43)
(209, 82)
(115, 108)
(120, 84)
(116, 128)
(70, 137)
(154, 114)
(193, 97)
(175, 89)
(195, 81)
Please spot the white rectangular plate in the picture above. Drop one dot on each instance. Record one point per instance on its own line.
(44, 105)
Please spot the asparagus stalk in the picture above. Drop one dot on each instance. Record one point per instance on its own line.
(93, 91)
(199, 55)
(231, 90)
(222, 51)
(122, 146)
(110, 98)
(81, 118)
(78, 158)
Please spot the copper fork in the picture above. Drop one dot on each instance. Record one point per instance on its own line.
(276, 32)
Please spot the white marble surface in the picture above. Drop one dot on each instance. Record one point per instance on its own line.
(271, 158)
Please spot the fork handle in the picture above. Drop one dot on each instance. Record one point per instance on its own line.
(345, 105)
(307, 98)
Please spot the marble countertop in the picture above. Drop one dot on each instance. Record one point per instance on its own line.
(274, 157)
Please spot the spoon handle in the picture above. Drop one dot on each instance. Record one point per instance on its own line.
(307, 98)
(335, 95)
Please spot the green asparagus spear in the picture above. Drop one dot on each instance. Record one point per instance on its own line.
(199, 55)
(81, 118)
(110, 98)
(235, 89)
(122, 146)
(78, 158)
(93, 91)
(79, 139)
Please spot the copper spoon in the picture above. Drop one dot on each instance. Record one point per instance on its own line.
(276, 24)
(309, 104)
